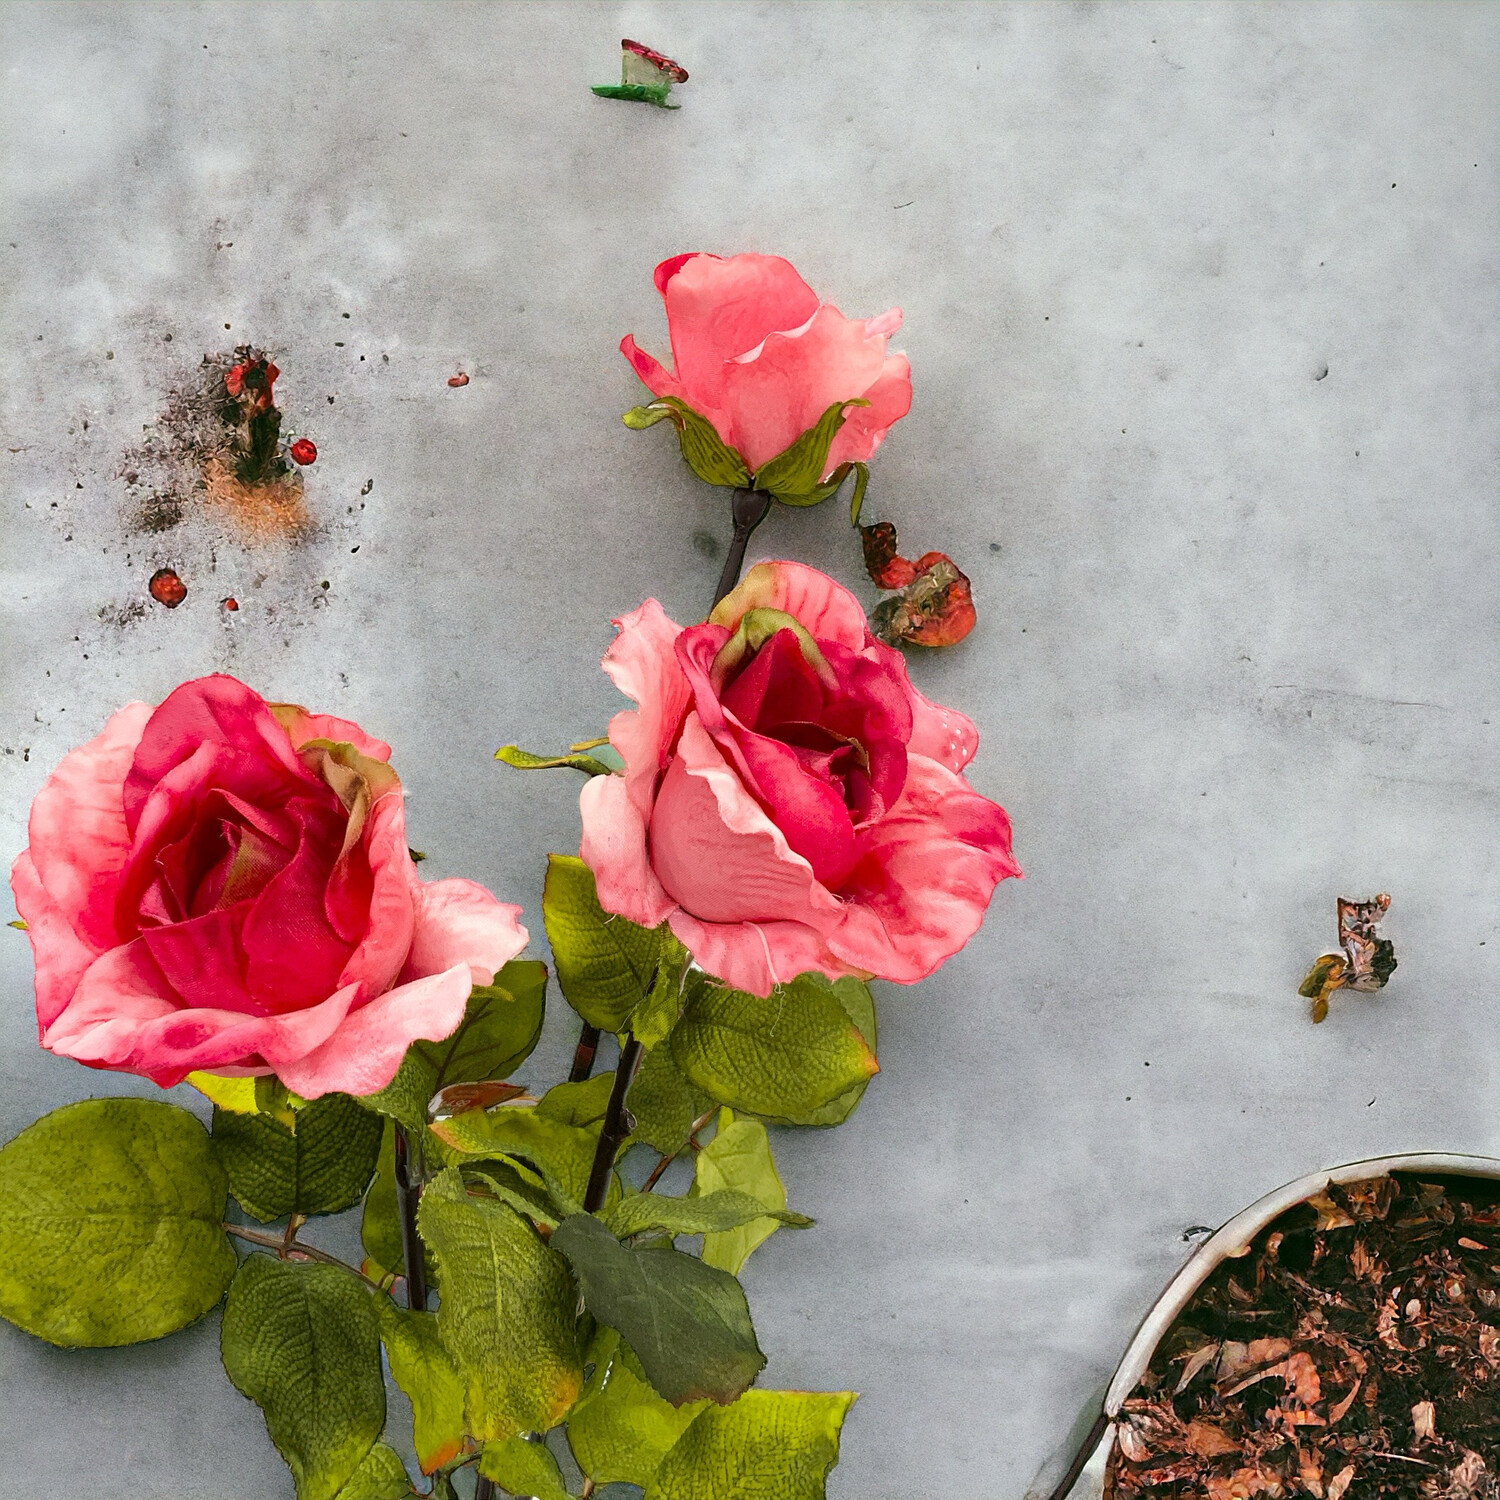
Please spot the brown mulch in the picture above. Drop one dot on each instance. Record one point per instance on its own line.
(1354, 1351)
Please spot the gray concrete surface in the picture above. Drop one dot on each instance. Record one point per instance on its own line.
(1237, 645)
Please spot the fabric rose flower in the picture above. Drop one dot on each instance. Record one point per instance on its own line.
(790, 801)
(223, 884)
(759, 357)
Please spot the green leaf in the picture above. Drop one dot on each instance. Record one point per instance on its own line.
(637, 93)
(577, 1103)
(516, 1184)
(323, 1166)
(380, 1227)
(524, 760)
(508, 1314)
(664, 1103)
(604, 962)
(702, 447)
(498, 1031)
(421, 1366)
(563, 1154)
(380, 1476)
(688, 1323)
(523, 1468)
(621, 1429)
(770, 1445)
(724, 1209)
(739, 1160)
(794, 474)
(854, 995)
(783, 1056)
(302, 1342)
(111, 1224)
(656, 1015)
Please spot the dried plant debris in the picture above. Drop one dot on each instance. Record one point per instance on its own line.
(934, 607)
(1354, 1349)
(646, 77)
(1367, 960)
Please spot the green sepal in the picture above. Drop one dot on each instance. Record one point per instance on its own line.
(704, 451)
(857, 499)
(636, 93)
(621, 1429)
(524, 760)
(501, 1025)
(770, 1445)
(302, 1342)
(111, 1224)
(739, 1160)
(604, 962)
(272, 1097)
(688, 1323)
(421, 1366)
(795, 475)
(380, 1476)
(711, 1213)
(508, 1314)
(322, 1165)
(785, 1057)
(523, 1468)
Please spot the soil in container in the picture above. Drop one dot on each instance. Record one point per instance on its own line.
(1352, 1352)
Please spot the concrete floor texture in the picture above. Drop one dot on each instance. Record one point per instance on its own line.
(1200, 304)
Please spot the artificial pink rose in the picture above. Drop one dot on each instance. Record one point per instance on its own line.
(223, 884)
(758, 356)
(790, 801)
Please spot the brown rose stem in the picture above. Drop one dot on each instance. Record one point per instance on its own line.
(408, 1195)
(617, 1125)
(484, 1489)
(583, 1054)
(751, 507)
(288, 1247)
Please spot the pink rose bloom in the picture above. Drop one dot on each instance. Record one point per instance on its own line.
(223, 883)
(762, 359)
(790, 801)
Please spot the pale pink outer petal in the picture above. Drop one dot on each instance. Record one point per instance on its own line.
(757, 956)
(460, 922)
(614, 848)
(60, 955)
(828, 610)
(119, 1019)
(941, 734)
(865, 427)
(340, 731)
(659, 380)
(364, 1053)
(718, 854)
(642, 664)
(384, 949)
(78, 838)
(775, 393)
(930, 867)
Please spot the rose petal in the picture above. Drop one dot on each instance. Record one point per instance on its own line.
(659, 380)
(757, 956)
(388, 919)
(363, 1054)
(60, 955)
(459, 922)
(865, 427)
(614, 848)
(941, 734)
(826, 609)
(77, 833)
(302, 726)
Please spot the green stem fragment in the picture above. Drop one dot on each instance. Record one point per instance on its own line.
(288, 1247)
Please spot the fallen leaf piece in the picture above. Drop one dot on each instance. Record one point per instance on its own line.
(1341, 1349)
(646, 77)
(458, 380)
(304, 451)
(1367, 962)
(934, 606)
(167, 588)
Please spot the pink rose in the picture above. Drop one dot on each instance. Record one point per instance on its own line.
(758, 356)
(790, 801)
(223, 883)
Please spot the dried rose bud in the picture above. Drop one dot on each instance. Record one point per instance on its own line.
(167, 588)
(935, 609)
(304, 451)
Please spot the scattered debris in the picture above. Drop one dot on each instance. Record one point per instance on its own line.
(646, 77)
(231, 604)
(1367, 962)
(304, 451)
(934, 607)
(167, 588)
(1357, 1342)
(458, 380)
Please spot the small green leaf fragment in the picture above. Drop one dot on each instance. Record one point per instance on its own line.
(794, 476)
(783, 1056)
(380, 1476)
(562, 1153)
(302, 1342)
(111, 1224)
(656, 1015)
(739, 1160)
(523, 1468)
(716, 1211)
(639, 418)
(524, 760)
(770, 1445)
(511, 1182)
(637, 93)
(427, 1375)
(508, 1314)
(577, 1103)
(321, 1167)
(688, 1323)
